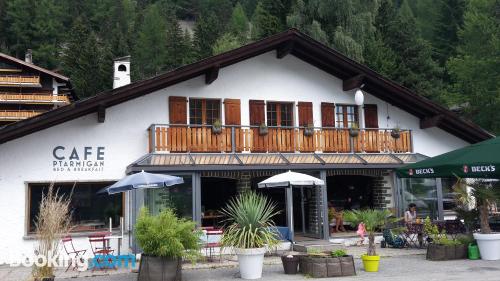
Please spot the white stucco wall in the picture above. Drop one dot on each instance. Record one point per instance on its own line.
(124, 132)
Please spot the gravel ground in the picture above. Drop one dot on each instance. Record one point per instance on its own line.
(407, 268)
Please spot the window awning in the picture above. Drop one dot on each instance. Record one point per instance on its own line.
(264, 161)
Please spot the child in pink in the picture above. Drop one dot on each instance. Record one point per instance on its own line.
(361, 232)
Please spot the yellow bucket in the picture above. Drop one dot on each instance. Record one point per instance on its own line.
(370, 263)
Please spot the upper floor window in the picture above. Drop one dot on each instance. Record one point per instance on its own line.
(204, 111)
(280, 114)
(346, 116)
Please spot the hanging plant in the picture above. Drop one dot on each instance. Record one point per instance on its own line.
(309, 130)
(396, 133)
(354, 130)
(263, 129)
(217, 127)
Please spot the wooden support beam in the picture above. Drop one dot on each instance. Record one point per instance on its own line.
(212, 74)
(353, 82)
(429, 122)
(284, 50)
(101, 113)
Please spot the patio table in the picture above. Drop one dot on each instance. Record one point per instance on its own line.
(414, 235)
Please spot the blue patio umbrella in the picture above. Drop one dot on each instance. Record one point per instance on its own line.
(142, 180)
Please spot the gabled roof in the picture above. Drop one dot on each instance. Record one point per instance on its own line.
(290, 42)
(34, 67)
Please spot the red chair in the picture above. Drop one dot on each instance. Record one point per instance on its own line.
(99, 246)
(72, 252)
(210, 245)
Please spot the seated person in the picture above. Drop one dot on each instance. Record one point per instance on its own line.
(338, 216)
(411, 213)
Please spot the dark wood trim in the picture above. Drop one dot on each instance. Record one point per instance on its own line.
(285, 49)
(304, 47)
(101, 114)
(429, 122)
(212, 74)
(353, 82)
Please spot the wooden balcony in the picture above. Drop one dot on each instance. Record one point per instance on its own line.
(34, 98)
(16, 115)
(19, 80)
(187, 138)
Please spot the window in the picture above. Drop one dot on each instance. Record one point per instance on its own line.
(178, 197)
(280, 114)
(204, 111)
(122, 67)
(346, 116)
(90, 211)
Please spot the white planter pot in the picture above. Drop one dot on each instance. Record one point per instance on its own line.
(489, 245)
(251, 261)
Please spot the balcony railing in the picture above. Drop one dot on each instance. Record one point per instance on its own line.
(15, 115)
(19, 79)
(33, 98)
(196, 138)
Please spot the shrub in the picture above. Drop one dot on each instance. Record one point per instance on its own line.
(166, 235)
(338, 253)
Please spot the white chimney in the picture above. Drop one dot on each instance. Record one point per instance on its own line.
(121, 75)
(28, 57)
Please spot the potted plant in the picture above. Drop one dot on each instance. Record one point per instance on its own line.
(373, 220)
(481, 194)
(290, 263)
(217, 126)
(396, 132)
(165, 240)
(354, 130)
(309, 130)
(327, 264)
(263, 129)
(52, 222)
(249, 230)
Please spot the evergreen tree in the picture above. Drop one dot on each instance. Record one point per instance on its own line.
(47, 33)
(150, 55)
(205, 35)
(266, 19)
(87, 61)
(238, 24)
(19, 15)
(445, 35)
(475, 69)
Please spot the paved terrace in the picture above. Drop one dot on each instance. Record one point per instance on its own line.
(396, 264)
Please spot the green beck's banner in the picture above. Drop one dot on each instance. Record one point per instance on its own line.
(480, 160)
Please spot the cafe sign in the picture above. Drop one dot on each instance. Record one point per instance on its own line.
(78, 159)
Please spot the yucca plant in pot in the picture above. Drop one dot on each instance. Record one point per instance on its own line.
(373, 220)
(249, 230)
(481, 194)
(165, 240)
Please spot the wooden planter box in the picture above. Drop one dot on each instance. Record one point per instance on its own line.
(322, 267)
(437, 252)
(154, 268)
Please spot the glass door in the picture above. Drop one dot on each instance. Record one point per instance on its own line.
(423, 193)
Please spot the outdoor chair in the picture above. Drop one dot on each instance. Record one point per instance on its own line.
(414, 235)
(99, 247)
(211, 241)
(73, 254)
(392, 240)
(452, 227)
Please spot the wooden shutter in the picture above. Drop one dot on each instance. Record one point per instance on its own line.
(327, 114)
(177, 109)
(305, 113)
(371, 116)
(257, 113)
(232, 111)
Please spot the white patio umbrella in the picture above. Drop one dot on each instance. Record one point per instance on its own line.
(288, 180)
